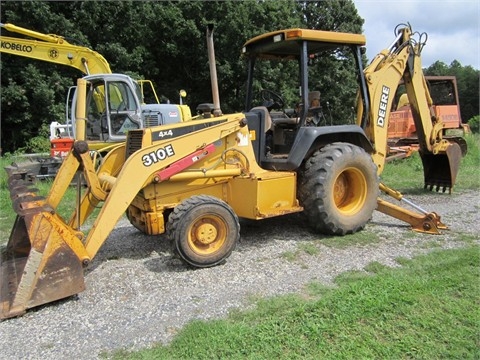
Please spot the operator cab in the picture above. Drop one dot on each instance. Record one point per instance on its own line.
(292, 86)
(115, 105)
(112, 108)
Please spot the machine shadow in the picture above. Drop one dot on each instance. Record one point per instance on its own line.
(127, 242)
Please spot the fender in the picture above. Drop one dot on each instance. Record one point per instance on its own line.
(310, 139)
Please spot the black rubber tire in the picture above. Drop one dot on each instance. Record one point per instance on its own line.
(204, 230)
(338, 188)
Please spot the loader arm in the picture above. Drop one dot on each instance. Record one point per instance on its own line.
(402, 61)
(137, 172)
(45, 255)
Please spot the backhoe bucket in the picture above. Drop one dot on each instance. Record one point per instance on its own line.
(42, 261)
(440, 170)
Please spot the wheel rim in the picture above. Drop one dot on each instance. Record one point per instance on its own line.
(207, 234)
(350, 191)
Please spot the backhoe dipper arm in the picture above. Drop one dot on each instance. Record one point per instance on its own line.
(54, 49)
(402, 60)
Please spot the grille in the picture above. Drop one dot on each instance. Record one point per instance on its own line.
(134, 141)
(151, 119)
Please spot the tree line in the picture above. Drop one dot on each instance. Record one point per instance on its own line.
(164, 41)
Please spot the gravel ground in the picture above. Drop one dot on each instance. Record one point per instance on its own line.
(138, 295)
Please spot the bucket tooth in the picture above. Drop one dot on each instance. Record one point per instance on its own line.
(30, 204)
(18, 179)
(22, 192)
(15, 183)
(22, 189)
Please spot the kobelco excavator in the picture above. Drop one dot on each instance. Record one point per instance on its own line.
(104, 126)
(193, 180)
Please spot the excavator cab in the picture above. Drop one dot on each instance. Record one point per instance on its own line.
(113, 108)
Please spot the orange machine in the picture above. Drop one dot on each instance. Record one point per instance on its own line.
(402, 136)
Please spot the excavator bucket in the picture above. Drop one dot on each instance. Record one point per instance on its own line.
(440, 170)
(42, 261)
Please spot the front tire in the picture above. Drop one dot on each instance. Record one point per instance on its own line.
(338, 188)
(204, 230)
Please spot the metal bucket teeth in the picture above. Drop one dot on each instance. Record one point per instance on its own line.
(440, 170)
(22, 189)
(24, 196)
(19, 178)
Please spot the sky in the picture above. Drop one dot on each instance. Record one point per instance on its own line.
(452, 26)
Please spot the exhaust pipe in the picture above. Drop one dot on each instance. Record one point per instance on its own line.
(213, 71)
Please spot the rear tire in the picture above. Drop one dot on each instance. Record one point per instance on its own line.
(338, 188)
(204, 230)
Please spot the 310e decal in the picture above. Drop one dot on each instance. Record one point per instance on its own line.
(158, 155)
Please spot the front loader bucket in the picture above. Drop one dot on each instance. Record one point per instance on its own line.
(440, 170)
(42, 261)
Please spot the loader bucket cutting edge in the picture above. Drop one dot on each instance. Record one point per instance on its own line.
(38, 264)
(440, 171)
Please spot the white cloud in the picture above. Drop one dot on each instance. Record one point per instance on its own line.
(453, 27)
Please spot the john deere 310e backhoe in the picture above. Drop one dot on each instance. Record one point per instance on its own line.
(194, 180)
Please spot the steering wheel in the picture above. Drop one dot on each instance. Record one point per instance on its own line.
(272, 100)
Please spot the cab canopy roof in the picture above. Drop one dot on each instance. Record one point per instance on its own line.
(287, 43)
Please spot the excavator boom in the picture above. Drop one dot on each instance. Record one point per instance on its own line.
(54, 49)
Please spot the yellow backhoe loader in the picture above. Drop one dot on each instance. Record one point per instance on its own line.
(193, 180)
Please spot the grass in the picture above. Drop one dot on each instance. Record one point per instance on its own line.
(427, 309)
(308, 248)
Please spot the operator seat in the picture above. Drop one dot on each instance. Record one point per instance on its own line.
(313, 99)
(266, 116)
